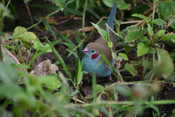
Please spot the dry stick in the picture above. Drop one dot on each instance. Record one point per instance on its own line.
(145, 13)
(132, 22)
(49, 15)
(116, 103)
(170, 21)
(84, 13)
(125, 83)
(29, 12)
(8, 3)
(154, 9)
(78, 100)
(1, 56)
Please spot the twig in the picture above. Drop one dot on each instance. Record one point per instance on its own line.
(29, 12)
(84, 13)
(110, 103)
(132, 22)
(41, 20)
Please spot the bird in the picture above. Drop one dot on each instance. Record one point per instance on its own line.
(94, 53)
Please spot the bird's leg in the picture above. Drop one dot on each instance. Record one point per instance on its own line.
(110, 78)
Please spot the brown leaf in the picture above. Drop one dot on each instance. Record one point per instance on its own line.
(44, 68)
(8, 56)
(87, 29)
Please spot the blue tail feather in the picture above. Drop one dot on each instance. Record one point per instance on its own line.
(111, 17)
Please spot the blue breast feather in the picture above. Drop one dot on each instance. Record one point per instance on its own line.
(95, 66)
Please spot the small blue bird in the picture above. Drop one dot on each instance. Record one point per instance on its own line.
(93, 61)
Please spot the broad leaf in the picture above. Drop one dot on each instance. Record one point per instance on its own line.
(150, 30)
(142, 49)
(121, 4)
(130, 68)
(99, 88)
(169, 37)
(102, 32)
(123, 56)
(21, 33)
(50, 81)
(43, 48)
(167, 9)
(79, 73)
(160, 33)
(8, 73)
(147, 19)
(164, 65)
(133, 34)
(159, 22)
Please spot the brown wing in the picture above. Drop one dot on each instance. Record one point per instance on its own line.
(101, 41)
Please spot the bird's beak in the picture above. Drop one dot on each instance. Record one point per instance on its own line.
(86, 50)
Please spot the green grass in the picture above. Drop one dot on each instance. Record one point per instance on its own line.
(144, 52)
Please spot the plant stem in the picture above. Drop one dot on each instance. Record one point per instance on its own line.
(129, 103)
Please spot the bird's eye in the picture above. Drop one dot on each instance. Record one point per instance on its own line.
(93, 51)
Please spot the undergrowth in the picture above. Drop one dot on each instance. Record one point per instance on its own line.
(40, 59)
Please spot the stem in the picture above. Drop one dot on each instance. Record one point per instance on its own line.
(129, 103)
(84, 13)
(29, 12)
(41, 20)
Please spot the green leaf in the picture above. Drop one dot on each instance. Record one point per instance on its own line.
(43, 48)
(4, 11)
(147, 64)
(164, 65)
(108, 3)
(169, 37)
(159, 22)
(150, 30)
(99, 88)
(19, 30)
(121, 4)
(60, 3)
(50, 81)
(21, 33)
(147, 19)
(123, 56)
(130, 68)
(133, 35)
(13, 92)
(102, 32)
(8, 73)
(167, 9)
(160, 33)
(124, 90)
(142, 49)
(110, 44)
(8, 57)
(173, 23)
(79, 73)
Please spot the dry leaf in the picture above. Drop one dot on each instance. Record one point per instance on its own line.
(44, 68)
(8, 56)
(87, 29)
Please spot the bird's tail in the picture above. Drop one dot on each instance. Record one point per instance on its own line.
(111, 17)
(110, 25)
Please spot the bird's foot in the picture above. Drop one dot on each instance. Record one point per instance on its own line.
(120, 81)
(110, 78)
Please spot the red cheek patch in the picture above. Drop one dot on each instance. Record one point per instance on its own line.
(94, 56)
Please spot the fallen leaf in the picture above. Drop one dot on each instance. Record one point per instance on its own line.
(87, 29)
(44, 68)
(8, 57)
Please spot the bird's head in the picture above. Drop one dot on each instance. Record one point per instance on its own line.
(95, 50)
(91, 51)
